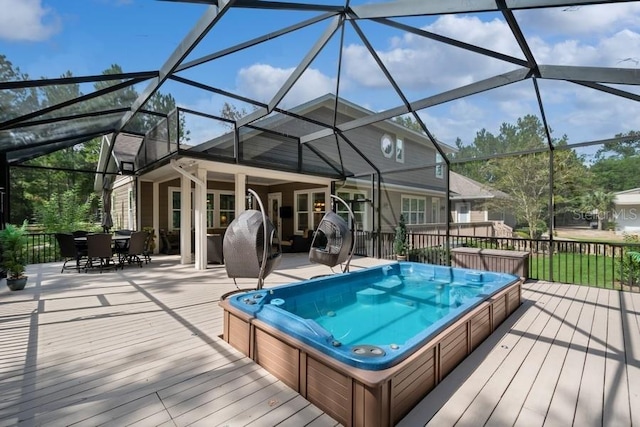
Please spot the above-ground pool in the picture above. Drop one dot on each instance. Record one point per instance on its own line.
(402, 322)
(373, 318)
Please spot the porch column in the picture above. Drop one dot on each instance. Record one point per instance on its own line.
(241, 193)
(4, 190)
(156, 216)
(200, 205)
(185, 220)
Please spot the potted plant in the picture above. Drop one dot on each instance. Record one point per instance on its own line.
(13, 241)
(400, 245)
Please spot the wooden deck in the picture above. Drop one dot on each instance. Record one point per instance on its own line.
(141, 347)
(569, 356)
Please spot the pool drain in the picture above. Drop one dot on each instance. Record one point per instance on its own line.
(368, 351)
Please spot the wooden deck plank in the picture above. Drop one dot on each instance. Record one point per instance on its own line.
(224, 397)
(590, 397)
(127, 377)
(563, 403)
(509, 407)
(616, 409)
(297, 405)
(536, 405)
(630, 309)
(128, 413)
(250, 408)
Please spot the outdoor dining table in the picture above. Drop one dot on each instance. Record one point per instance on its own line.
(81, 243)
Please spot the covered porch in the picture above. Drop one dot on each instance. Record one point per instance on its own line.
(142, 347)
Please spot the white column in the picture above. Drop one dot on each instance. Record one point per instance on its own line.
(241, 193)
(156, 215)
(200, 205)
(185, 220)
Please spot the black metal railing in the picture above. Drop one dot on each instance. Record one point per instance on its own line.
(42, 248)
(599, 264)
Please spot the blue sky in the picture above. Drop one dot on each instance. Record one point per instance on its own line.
(48, 37)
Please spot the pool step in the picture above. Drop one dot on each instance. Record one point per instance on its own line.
(372, 296)
(390, 283)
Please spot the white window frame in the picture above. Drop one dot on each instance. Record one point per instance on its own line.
(459, 205)
(341, 210)
(130, 204)
(172, 190)
(218, 211)
(407, 214)
(439, 169)
(435, 210)
(310, 209)
(399, 150)
(215, 211)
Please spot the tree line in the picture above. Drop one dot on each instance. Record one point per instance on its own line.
(45, 184)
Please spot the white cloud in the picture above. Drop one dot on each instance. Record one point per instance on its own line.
(581, 20)
(421, 65)
(27, 20)
(262, 82)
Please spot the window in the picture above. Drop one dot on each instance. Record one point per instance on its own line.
(210, 210)
(359, 208)
(130, 212)
(399, 151)
(386, 145)
(174, 200)
(310, 208)
(227, 208)
(221, 208)
(439, 166)
(413, 209)
(435, 209)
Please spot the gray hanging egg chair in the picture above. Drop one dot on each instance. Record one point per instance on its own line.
(333, 240)
(249, 247)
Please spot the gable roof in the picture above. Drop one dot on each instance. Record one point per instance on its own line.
(464, 188)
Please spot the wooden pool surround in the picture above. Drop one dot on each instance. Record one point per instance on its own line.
(358, 397)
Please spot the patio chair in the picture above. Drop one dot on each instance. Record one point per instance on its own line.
(135, 248)
(169, 246)
(70, 250)
(99, 252)
(121, 245)
(147, 247)
(249, 245)
(333, 241)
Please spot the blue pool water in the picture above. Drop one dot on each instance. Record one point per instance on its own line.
(375, 317)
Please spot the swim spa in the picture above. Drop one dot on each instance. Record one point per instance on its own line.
(366, 346)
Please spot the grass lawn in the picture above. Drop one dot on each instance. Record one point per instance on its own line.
(576, 268)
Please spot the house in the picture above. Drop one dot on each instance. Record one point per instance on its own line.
(293, 178)
(626, 211)
(471, 202)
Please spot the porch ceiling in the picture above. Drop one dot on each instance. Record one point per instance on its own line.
(225, 172)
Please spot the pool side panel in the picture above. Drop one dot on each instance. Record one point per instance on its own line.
(454, 348)
(417, 379)
(480, 326)
(277, 356)
(358, 397)
(330, 390)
